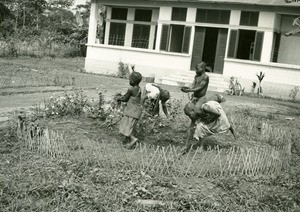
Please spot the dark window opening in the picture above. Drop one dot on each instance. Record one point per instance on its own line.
(119, 13)
(213, 16)
(175, 38)
(210, 46)
(140, 36)
(179, 14)
(249, 18)
(164, 41)
(117, 34)
(245, 44)
(143, 15)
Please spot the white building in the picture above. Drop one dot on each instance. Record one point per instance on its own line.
(166, 38)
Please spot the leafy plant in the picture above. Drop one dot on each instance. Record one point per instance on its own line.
(123, 70)
(235, 87)
(260, 78)
(68, 104)
(253, 87)
(294, 93)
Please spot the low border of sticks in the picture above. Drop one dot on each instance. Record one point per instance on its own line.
(157, 160)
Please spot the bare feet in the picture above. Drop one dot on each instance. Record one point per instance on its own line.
(133, 141)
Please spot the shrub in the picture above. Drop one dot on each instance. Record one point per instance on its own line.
(294, 93)
(123, 70)
(68, 104)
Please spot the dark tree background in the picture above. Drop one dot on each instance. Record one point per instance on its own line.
(48, 22)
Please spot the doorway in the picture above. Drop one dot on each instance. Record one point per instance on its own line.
(209, 46)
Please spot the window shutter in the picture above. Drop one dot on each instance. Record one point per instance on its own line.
(232, 44)
(186, 40)
(198, 46)
(258, 45)
(164, 41)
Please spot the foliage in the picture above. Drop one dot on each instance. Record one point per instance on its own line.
(294, 93)
(42, 25)
(99, 109)
(123, 70)
(72, 104)
(235, 87)
(253, 87)
(98, 174)
(260, 78)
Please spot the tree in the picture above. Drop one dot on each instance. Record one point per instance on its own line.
(4, 12)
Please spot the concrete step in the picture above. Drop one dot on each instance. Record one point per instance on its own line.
(217, 82)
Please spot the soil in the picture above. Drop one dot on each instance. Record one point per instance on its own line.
(61, 184)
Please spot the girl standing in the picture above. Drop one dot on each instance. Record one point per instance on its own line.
(133, 109)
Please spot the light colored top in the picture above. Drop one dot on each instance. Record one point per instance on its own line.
(220, 125)
(152, 92)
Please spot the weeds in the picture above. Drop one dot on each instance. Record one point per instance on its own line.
(65, 173)
(123, 70)
(68, 104)
(294, 93)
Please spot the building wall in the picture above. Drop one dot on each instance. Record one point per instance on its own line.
(278, 80)
(104, 60)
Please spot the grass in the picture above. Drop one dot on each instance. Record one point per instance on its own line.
(80, 165)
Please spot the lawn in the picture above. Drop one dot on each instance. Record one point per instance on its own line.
(78, 163)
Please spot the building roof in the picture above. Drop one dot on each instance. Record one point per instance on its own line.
(287, 3)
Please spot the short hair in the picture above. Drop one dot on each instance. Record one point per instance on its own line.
(199, 63)
(164, 95)
(136, 77)
(189, 107)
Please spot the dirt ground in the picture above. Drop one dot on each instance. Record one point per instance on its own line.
(32, 70)
(17, 98)
(89, 186)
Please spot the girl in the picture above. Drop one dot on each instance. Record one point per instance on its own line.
(133, 109)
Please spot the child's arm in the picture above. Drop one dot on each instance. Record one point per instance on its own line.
(186, 89)
(126, 97)
(190, 133)
(159, 88)
(200, 86)
(164, 108)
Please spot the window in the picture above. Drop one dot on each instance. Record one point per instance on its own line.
(140, 36)
(245, 44)
(179, 14)
(143, 30)
(249, 18)
(119, 13)
(143, 15)
(213, 16)
(175, 38)
(117, 34)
